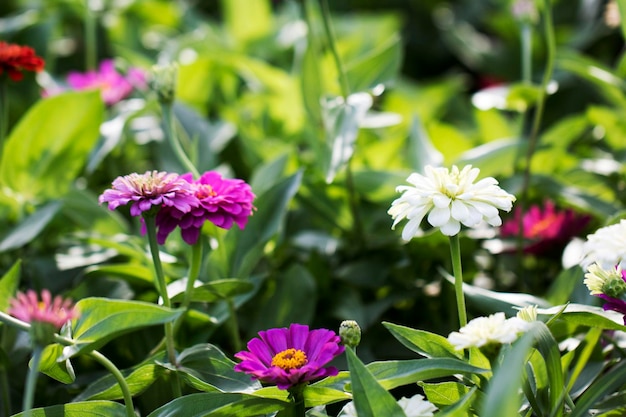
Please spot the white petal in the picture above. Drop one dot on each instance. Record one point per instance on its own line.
(439, 216)
(459, 210)
(451, 228)
(441, 200)
(410, 230)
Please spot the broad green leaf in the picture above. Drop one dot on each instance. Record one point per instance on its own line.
(421, 151)
(428, 344)
(549, 349)
(206, 368)
(247, 20)
(50, 145)
(610, 381)
(265, 176)
(494, 158)
(9, 284)
(131, 272)
(30, 227)
(588, 316)
(370, 398)
(378, 66)
(218, 404)
(102, 319)
(79, 409)
(62, 371)
(314, 395)
(221, 289)
(444, 393)
(462, 407)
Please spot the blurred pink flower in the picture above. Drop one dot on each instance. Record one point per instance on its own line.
(27, 307)
(221, 201)
(288, 357)
(546, 228)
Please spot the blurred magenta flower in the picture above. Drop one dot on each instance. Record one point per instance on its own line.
(54, 311)
(152, 189)
(546, 228)
(16, 58)
(288, 357)
(221, 201)
(114, 86)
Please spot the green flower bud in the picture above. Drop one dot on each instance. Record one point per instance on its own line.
(350, 333)
(163, 82)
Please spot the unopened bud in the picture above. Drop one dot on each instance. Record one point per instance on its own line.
(163, 82)
(528, 313)
(350, 333)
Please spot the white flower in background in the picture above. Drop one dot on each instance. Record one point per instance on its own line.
(449, 198)
(607, 247)
(416, 406)
(605, 281)
(528, 313)
(482, 331)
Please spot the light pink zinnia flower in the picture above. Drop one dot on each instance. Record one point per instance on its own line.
(152, 189)
(222, 201)
(288, 357)
(27, 307)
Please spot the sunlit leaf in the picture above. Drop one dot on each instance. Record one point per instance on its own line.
(218, 404)
(79, 409)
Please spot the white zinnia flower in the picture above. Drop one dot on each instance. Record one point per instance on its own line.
(607, 247)
(450, 198)
(605, 281)
(416, 406)
(485, 330)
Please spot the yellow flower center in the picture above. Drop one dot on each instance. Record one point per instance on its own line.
(290, 359)
(205, 191)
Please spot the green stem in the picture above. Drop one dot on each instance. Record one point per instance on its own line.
(233, 324)
(128, 399)
(194, 270)
(296, 393)
(455, 252)
(526, 40)
(330, 35)
(162, 289)
(91, 37)
(6, 398)
(168, 120)
(31, 381)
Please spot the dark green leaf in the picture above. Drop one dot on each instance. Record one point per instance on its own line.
(218, 404)
(30, 227)
(425, 343)
(217, 290)
(8, 285)
(79, 409)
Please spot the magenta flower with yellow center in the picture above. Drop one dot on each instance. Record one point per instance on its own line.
(289, 357)
(54, 311)
(152, 189)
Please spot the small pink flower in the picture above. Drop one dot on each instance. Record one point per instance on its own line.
(27, 307)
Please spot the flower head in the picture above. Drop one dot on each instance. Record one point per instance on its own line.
(494, 329)
(607, 247)
(608, 284)
(416, 406)
(16, 58)
(164, 82)
(449, 198)
(528, 313)
(113, 86)
(350, 333)
(545, 228)
(288, 357)
(221, 201)
(152, 189)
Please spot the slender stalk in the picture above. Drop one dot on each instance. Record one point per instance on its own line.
(330, 35)
(91, 37)
(168, 120)
(192, 275)
(4, 381)
(455, 252)
(162, 289)
(31, 381)
(296, 394)
(526, 40)
(233, 324)
(128, 399)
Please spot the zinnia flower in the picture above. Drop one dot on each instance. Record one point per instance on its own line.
(15, 58)
(288, 357)
(545, 228)
(113, 86)
(416, 406)
(450, 198)
(607, 247)
(152, 189)
(221, 201)
(608, 284)
(55, 311)
(494, 329)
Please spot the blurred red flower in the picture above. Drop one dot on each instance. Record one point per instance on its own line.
(16, 58)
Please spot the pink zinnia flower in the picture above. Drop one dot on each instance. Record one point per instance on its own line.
(27, 307)
(152, 189)
(16, 58)
(113, 85)
(288, 357)
(222, 201)
(545, 228)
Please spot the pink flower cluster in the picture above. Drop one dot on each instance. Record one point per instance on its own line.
(29, 308)
(180, 201)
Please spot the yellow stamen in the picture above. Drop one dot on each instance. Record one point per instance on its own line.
(290, 359)
(205, 191)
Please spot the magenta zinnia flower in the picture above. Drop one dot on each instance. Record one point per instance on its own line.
(222, 201)
(152, 189)
(113, 86)
(545, 228)
(56, 312)
(288, 357)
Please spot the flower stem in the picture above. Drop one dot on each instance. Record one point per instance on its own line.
(296, 393)
(330, 35)
(455, 252)
(128, 399)
(192, 275)
(150, 221)
(31, 381)
(168, 120)
(91, 38)
(526, 40)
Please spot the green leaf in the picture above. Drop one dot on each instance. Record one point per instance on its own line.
(79, 409)
(102, 319)
(217, 290)
(30, 227)
(428, 344)
(206, 368)
(549, 349)
(462, 407)
(247, 20)
(589, 316)
(8, 285)
(49, 146)
(62, 371)
(444, 393)
(605, 385)
(370, 398)
(218, 404)
(421, 151)
(378, 66)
